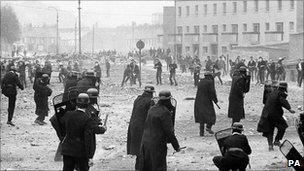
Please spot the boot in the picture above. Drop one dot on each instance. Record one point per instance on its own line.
(10, 123)
(209, 130)
(270, 144)
(277, 143)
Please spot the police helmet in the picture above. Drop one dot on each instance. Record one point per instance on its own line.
(242, 69)
(208, 73)
(283, 85)
(89, 74)
(92, 92)
(83, 99)
(164, 95)
(237, 126)
(45, 76)
(149, 89)
(12, 68)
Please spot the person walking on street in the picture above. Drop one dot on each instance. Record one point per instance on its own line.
(108, 66)
(173, 67)
(158, 66)
(137, 122)
(300, 69)
(21, 70)
(272, 115)
(158, 131)
(9, 89)
(236, 150)
(261, 70)
(251, 67)
(97, 70)
(42, 92)
(203, 106)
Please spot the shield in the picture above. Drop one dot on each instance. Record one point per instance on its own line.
(172, 110)
(300, 130)
(220, 137)
(291, 153)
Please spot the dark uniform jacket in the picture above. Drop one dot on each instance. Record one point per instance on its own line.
(203, 106)
(262, 65)
(70, 82)
(272, 114)
(79, 140)
(42, 91)
(251, 65)
(172, 67)
(236, 97)
(136, 126)
(158, 66)
(158, 132)
(85, 82)
(97, 69)
(96, 125)
(237, 157)
(9, 84)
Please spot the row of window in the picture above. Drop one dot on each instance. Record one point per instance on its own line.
(234, 28)
(234, 7)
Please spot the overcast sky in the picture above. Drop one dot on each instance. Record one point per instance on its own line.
(105, 13)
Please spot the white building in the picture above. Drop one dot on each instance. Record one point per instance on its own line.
(212, 27)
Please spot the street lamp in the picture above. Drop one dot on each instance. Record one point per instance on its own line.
(79, 27)
(57, 33)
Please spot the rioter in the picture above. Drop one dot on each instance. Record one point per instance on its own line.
(79, 143)
(9, 89)
(158, 67)
(251, 67)
(203, 107)
(97, 70)
(158, 131)
(22, 75)
(236, 151)
(42, 92)
(300, 69)
(261, 70)
(172, 67)
(137, 122)
(237, 94)
(126, 75)
(108, 66)
(208, 64)
(272, 115)
(217, 71)
(196, 73)
(136, 73)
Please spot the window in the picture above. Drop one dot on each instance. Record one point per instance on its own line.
(214, 28)
(205, 9)
(179, 11)
(214, 9)
(291, 26)
(244, 27)
(224, 49)
(196, 29)
(234, 28)
(224, 8)
(256, 27)
(279, 26)
(187, 48)
(256, 5)
(196, 10)
(187, 29)
(244, 6)
(279, 5)
(267, 5)
(224, 27)
(234, 7)
(292, 4)
(187, 11)
(205, 49)
(179, 30)
(205, 28)
(267, 26)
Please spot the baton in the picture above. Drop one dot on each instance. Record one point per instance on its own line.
(180, 149)
(217, 105)
(106, 119)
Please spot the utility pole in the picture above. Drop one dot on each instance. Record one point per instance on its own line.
(133, 41)
(75, 39)
(79, 22)
(93, 34)
(57, 30)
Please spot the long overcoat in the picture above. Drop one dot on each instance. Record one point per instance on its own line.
(236, 97)
(158, 132)
(42, 91)
(203, 106)
(136, 126)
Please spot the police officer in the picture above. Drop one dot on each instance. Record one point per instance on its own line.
(88, 80)
(97, 70)
(203, 106)
(237, 94)
(42, 91)
(71, 81)
(79, 143)
(136, 126)
(158, 131)
(236, 150)
(93, 111)
(8, 86)
(273, 112)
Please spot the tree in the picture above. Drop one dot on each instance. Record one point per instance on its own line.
(10, 28)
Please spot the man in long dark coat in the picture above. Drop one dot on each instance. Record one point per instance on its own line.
(9, 89)
(236, 96)
(272, 115)
(42, 91)
(158, 132)
(203, 106)
(136, 126)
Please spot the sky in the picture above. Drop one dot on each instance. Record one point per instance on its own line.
(105, 13)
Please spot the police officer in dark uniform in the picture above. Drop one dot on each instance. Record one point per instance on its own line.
(272, 115)
(93, 111)
(42, 92)
(79, 143)
(8, 86)
(71, 81)
(136, 126)
(236, 150)
(158, 131)
(203, 106)
(89, 80)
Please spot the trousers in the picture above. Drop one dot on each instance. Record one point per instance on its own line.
(11, 107)
(70, 163)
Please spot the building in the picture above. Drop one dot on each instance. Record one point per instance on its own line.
(212, 28)
(157, 19)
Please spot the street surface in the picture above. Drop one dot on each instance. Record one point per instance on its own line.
(29, 146)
